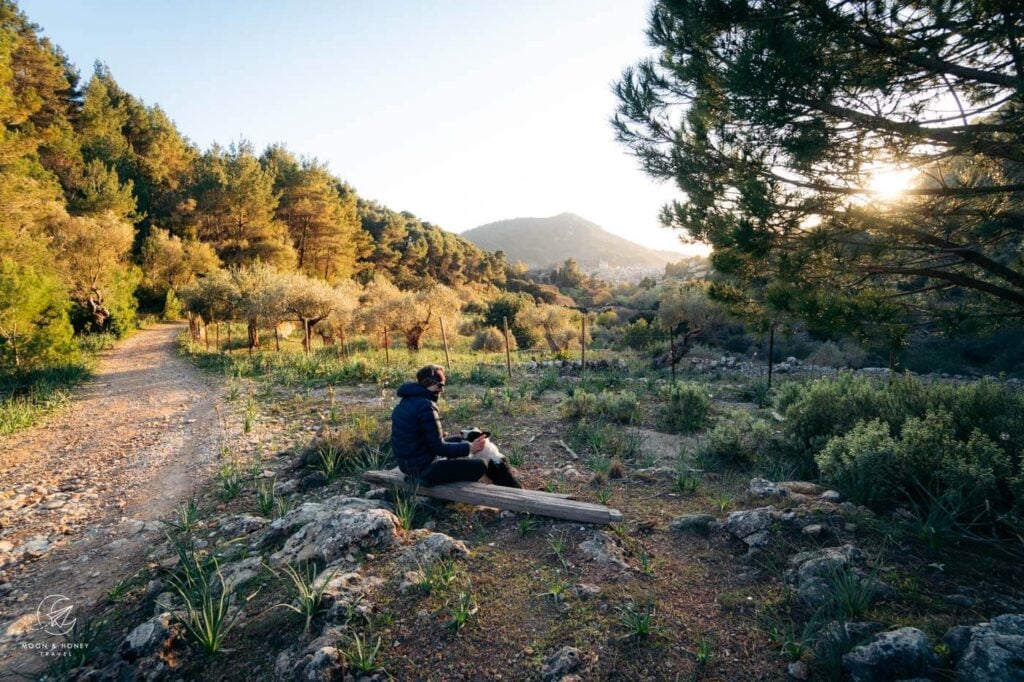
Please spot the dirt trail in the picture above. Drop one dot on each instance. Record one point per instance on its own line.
(80, 494)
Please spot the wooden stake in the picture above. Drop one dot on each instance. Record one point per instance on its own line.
(444, 340)
(771, 353)
(387, 353)
(672, 353)
(583, 344)
(508, 351)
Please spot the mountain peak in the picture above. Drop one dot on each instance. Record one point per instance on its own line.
(545, 242)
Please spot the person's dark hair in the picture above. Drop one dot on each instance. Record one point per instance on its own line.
(430, 375)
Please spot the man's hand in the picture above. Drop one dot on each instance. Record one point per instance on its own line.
(477, 445)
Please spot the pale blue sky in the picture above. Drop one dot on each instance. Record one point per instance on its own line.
(460, 112)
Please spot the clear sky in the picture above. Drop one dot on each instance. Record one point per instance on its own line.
(462, 112)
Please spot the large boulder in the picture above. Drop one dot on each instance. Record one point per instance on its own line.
(989, 651)
(329, 530)
(896, 655)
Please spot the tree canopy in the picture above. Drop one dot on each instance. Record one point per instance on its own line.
(778, 120)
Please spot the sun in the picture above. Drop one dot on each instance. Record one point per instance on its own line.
(888, 183)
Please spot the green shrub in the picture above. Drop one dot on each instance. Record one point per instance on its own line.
(622, 407)
(862, 462)
(739, 438)
(827, 408)
(927, 459)
(687, 406)
(492, 340)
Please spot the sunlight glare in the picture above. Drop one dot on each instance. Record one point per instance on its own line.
(889, 182)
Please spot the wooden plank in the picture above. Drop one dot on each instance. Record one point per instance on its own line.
(515, 499)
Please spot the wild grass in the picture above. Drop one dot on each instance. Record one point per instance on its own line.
(558, 587)
(637, 622)
(26, 397)
(209, 616)
(461, 609)
(231, 480)
(306, 588)
(186, 516)
(406, 506)
(360, 655)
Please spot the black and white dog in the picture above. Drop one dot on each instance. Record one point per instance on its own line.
(498, 469)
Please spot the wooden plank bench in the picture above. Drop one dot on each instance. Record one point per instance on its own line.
(515, 499)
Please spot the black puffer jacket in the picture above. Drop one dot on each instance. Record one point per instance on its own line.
(416, 439)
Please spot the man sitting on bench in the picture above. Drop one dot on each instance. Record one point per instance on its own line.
(418, 442)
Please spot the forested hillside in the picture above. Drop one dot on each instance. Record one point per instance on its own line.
(107, 207)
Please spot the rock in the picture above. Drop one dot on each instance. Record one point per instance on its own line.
(34, 548)
(693, 523)
(812, 573)
(238, 572)
(286, 487)
(586, 591)
(995, 650)
(757, 540)
(334, 534)
(603, 549)
(345, 594)
(312, 480)
(157, 634)
(814, 530)
(310, 512)
(894, 655)
(799, 671)
(832, 496)
(749, 521)
(167, 602)
(376, 494)
(958, 638)
(563, 662)
(317, 661)
(411, 580)
(961, 600)
(241, 524)
(801, 487)
(434, 547)
(762, 488)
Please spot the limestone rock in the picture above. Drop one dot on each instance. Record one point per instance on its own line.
(989, 651)
(762, 488)
(603, 549)
(898, 654)
(241, 524)
(157, 634)
(749, 521)
(562, 663)
(434, 547)
(317, 661)
(693, 523)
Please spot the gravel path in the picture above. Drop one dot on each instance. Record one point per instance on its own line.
(80, 495)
